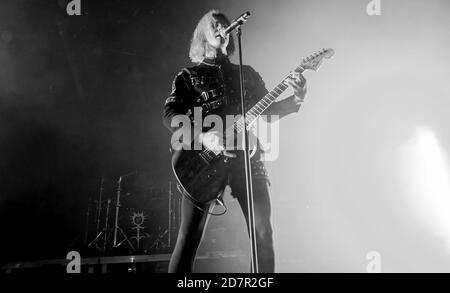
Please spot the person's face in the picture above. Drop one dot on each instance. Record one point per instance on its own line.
(212, 33)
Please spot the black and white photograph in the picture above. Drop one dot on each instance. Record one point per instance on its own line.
(224, 137)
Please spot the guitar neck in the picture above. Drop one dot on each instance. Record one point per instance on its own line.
(262, 105)
(312, 62)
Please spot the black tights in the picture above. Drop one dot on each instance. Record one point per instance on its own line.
(194, 221)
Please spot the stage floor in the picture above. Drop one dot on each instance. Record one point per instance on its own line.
(106, 264)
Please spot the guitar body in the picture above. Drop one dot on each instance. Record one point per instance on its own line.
(200, 180)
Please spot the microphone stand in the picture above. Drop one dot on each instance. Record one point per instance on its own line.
(248, 170)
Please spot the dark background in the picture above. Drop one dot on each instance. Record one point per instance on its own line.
(362, 168)
(80, 99)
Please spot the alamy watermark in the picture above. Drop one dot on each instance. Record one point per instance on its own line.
(73, 7)
(74, 266)
(374, 8)
(229, 134)
(374, 265)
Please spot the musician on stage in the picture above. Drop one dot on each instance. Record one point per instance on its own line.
(214, 83)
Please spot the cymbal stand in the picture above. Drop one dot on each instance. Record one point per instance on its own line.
(99, 211)
(103, 232)
(116, 223)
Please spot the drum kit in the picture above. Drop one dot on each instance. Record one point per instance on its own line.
(131, 218)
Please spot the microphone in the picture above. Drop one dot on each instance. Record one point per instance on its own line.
(236, 23)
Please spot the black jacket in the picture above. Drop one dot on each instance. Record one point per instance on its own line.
(214, 86)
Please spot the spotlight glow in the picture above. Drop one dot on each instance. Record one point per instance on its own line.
(425, 173)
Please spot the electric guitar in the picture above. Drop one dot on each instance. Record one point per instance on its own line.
(202, 174)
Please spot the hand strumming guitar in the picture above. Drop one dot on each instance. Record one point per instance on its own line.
(212, 142)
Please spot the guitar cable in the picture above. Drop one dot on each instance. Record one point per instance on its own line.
(221, 203)
(218, 200)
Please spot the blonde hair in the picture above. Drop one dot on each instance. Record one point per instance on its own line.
(199, 44)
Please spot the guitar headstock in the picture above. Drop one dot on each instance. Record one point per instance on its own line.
(313, 61)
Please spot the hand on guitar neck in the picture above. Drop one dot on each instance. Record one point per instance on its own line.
(298, 82)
